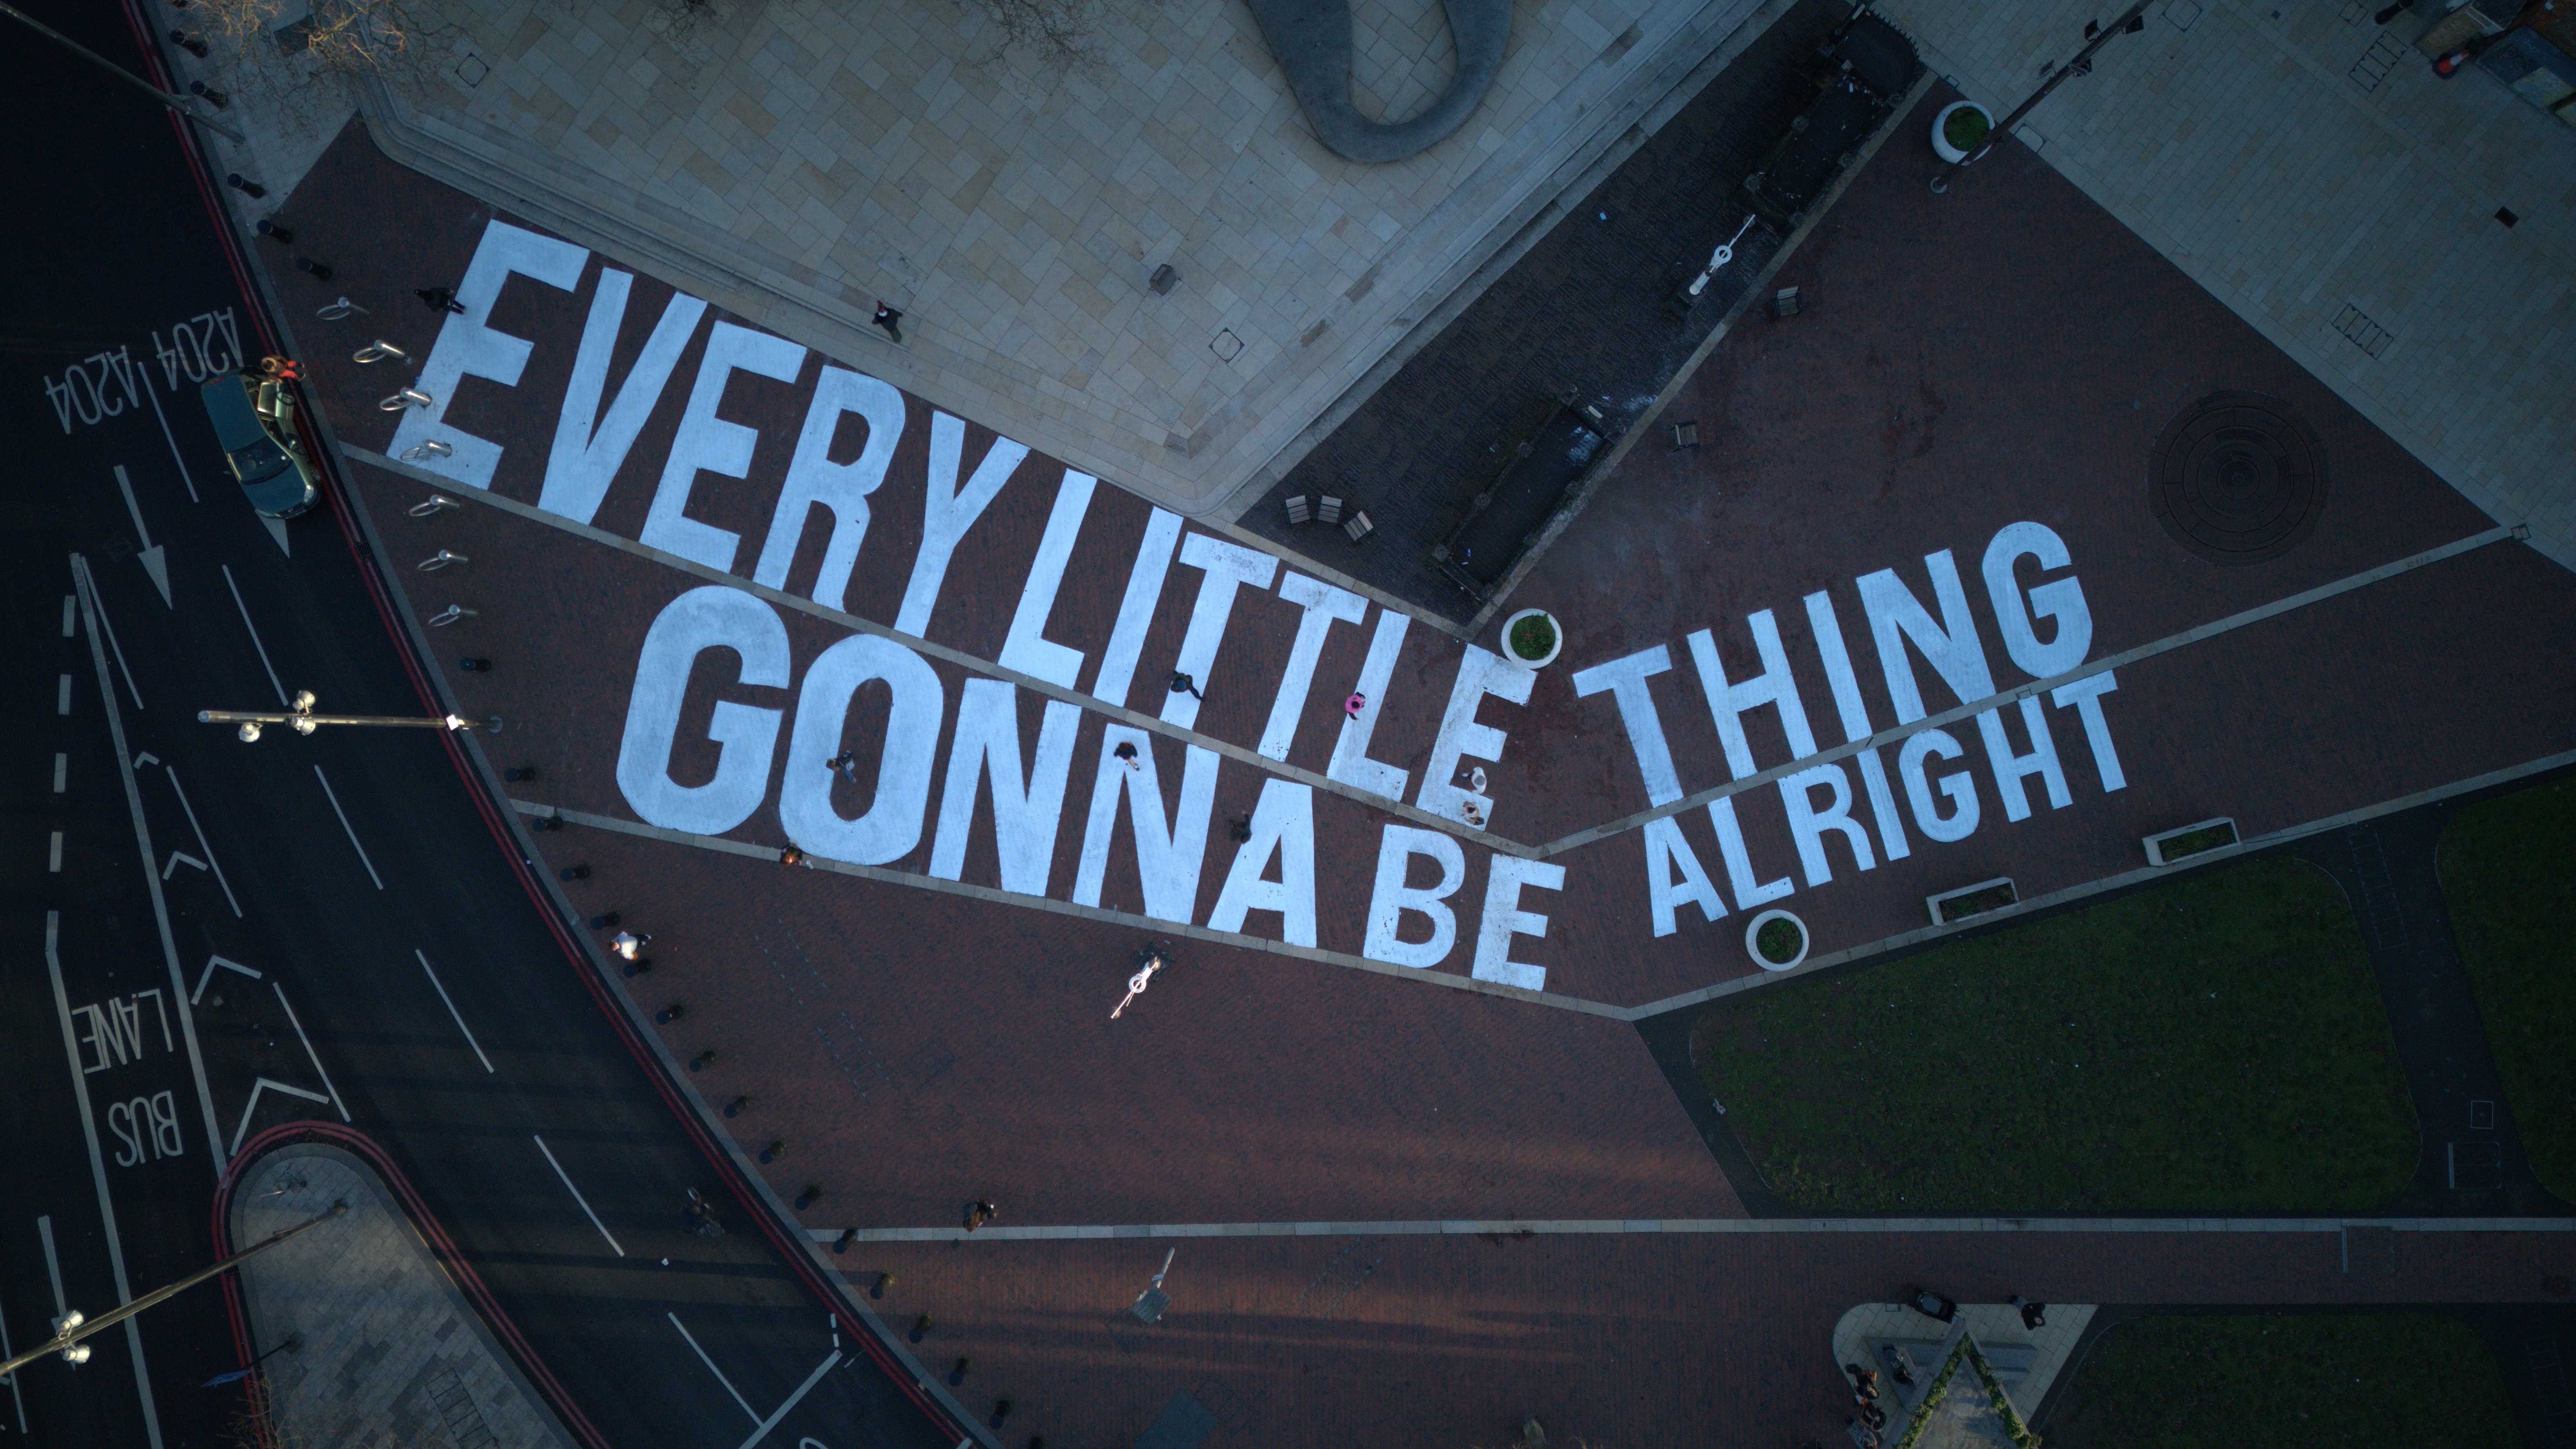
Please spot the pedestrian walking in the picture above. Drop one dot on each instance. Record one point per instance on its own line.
(1474, 816)
(1127, 751)
(1353, 705)
(440, 299)
(889, 319)
(1932, 1305)
(980, 1212)
(1183, 684)
(2034, 1316)
(792, 855)
(627, 943)
(845, 765)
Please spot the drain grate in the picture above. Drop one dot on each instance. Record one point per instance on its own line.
(2378, 61)
(2238, 478)
(2361, 332)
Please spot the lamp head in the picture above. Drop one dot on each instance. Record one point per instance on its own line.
(249, 731)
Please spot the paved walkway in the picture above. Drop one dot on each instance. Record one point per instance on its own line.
(1585, 310)
(799, 162)
(2309, 169)
(2471, 1150)
(390, 1354)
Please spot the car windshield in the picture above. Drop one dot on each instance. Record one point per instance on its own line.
(258, 461)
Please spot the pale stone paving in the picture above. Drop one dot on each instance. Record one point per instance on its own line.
(2233, 137)
(390, 1354)
(799, 161)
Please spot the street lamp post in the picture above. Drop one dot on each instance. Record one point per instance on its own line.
(301, 718)
(2130, 23)
(73, 1325)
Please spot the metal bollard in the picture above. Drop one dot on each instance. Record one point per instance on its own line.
(410, 397)
(440, 560)
(437, 502)
(337, 311)
(450, 615)
(378, 351)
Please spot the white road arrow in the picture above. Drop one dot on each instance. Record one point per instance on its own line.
(154, 563)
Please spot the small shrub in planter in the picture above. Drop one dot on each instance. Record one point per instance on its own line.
(1532, 638)
(1776, 940)
(1966, 129)
(1951, 907)
(2195, 839)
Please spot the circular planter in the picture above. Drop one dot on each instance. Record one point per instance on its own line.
(1941, 145)
(1753, 937)
(1512, 643)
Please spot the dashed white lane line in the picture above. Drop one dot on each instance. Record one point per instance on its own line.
(54, 855)
(69, 603)
(309, 1054)
(62, 770)
(254, 636)
(344, 825)
(603, 1228)
(452, 1011)
(63, 695)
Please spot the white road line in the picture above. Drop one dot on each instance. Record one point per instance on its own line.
(258, 1086)
(309, 1054)
(202, 843)
(69, 604)
(452, 1011)
(62, 770)
(793, 1400)
(596, 1223)
(98, 1176)
(97, 612)
(184, 475)
(344, 825)
(63, 695)
(54, 855)
(143, 840)
(209, 974)
(6, 1351)
(254, 636)
(53, 1265)
(711, 1368)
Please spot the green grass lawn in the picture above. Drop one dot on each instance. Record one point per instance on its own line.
(2417, 1380)
(2216, 1044)
(2509, 875)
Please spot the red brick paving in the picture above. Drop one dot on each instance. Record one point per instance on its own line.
(917, 1050)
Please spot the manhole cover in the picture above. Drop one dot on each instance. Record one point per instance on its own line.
(2238, 478)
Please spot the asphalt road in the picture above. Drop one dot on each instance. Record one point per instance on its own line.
(201, 939)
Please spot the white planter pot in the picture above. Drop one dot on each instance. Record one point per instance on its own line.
(1941, 146)
(1753, 932)
(1553, 650)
